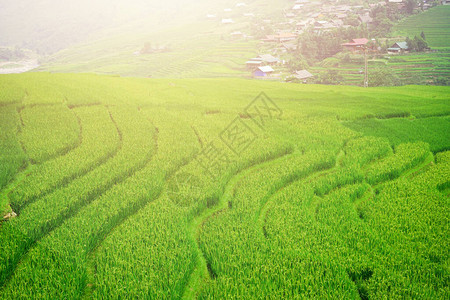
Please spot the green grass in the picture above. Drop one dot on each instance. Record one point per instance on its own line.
(340, 194)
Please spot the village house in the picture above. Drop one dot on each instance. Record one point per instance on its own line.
(264, 71)
(303, 24)
(324, 26)
(237, 35)
(302, 75)
(253, 64)
(269, 59)
(286, 36)
(399, 3)
(280, 38)
(289, 47)
(227, 21)
(365, 19)
(290, 15)
(341, 16)
(338, 23)
(343, 8)
(355, 44)
(398, 47)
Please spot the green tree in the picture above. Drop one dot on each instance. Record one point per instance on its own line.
(296, 62)
(330, 77)
(422, 35)
(412, 44)
(410, 5)
(421, 44)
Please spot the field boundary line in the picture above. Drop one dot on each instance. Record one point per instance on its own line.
(200, 272)
(91, 271)
(66, 180)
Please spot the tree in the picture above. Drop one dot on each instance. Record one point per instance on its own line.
(352, 20)
(296, 62)
(330, 77)
(409, 6)
(421, 44)
(422, 35)
(147, 48)
(412, 44)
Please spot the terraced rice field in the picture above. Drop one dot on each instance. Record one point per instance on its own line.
(434, 23)
(210, 189)
(410, 68)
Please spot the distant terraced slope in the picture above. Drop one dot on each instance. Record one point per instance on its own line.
(435, 23)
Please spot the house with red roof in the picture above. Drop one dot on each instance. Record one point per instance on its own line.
(355, 44)
(281, 37)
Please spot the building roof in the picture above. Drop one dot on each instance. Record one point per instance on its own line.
(266, 69)
(227, 21)
(366, 19)
(269, 58)
(338, 22)
(362, 41)
(303, 74)
(286, 34)
(253, 62)
(401, 45)
(341, 16)
(357, 42)
(290, 46)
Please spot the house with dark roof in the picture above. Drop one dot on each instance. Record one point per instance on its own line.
(303, 75)
(281, 37)
(398, 47)
(253, 64)
(269, 59)
(289, 47)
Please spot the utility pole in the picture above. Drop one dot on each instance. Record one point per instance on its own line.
(366, 68)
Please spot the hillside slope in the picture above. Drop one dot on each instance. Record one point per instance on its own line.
(435, 23)
(48, 26)
(194, 46)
